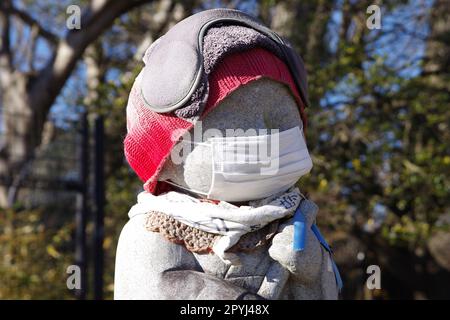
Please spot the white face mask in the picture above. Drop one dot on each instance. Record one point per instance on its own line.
(255, 167)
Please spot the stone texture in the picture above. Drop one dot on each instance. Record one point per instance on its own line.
(150, 267)
(261, 104)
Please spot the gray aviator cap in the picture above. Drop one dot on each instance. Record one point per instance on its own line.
(174, 63)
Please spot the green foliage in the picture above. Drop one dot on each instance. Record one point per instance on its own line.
(122, 185)
(380, 140)
(35, 254)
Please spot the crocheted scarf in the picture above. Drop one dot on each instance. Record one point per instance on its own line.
(224, 222)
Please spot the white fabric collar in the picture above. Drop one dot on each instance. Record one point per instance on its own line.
(223, 218)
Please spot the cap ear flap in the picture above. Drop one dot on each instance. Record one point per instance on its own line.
(150, 49)
(298, 70)
(174, 67)
(171, 75)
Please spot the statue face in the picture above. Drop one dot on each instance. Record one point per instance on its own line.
(261, 104)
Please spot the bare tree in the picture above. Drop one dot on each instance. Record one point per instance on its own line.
(32, 93)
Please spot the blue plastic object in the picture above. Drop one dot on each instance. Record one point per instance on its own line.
(299, 230)
(300, 241)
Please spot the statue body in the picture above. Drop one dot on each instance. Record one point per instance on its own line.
(148, 266)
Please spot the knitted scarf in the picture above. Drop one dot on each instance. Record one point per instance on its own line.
(225, 219)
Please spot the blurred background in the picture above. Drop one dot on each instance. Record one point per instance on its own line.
(378, 132)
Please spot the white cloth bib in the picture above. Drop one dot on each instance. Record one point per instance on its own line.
(223, 218)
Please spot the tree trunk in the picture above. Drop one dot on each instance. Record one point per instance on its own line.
(27, 98)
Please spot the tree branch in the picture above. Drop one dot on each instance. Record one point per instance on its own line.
(31, 50)
(97, 18)
(29, 20)
(5, 44)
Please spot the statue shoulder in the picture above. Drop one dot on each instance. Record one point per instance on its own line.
(142, 257)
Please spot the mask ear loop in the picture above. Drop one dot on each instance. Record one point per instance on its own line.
(303, 196)
(191, 192)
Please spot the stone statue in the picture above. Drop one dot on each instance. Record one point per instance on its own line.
(209, 228)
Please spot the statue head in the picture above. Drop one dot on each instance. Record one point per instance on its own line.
(219, 73)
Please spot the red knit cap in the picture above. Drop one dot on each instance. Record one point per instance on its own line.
(151, 136)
